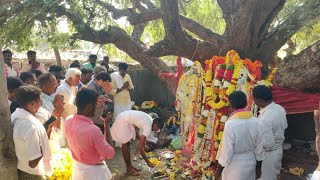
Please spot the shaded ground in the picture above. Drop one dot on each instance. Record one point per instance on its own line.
(299, 156)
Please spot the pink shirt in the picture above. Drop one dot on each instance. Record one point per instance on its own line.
(86, 141)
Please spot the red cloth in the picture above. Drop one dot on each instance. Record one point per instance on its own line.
(179, 73)
(295, 101)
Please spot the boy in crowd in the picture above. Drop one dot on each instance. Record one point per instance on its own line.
(13, 83)
(29, 78)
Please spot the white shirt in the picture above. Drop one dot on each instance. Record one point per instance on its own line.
(274, 123)
(241, 137)
(14, 71)
(69, 95)
(123, 97)
(137, 118)
(27, 143)
(315, 175)
(43, 115)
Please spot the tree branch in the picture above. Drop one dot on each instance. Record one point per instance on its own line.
(153, 13)
(4, 2)
(301, 71)
(200, 31)
(116, 13)
(138, 31)
(297, 19)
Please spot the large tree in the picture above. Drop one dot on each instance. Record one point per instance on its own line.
(256, 29)
(8, 163)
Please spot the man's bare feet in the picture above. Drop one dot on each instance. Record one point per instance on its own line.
(132, 172)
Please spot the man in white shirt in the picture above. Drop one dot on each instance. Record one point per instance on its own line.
(68, 89)
(30, 137)
(242, 142)
(122, 85)
(274, 123)
(10, 68)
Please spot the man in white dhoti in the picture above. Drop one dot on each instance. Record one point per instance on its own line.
(89, 147)
(242, 142)
(123, 131)
(122, 85)
(68, 89)
(274, 122)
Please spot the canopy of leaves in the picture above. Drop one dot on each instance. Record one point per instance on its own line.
(27, 23)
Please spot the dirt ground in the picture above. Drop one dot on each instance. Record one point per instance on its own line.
(301, 156)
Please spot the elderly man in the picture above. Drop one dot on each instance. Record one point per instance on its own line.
(242, 142)
(88, 145)
(274, 123)
(92, 62)
(68, 89)
(10, 69)
(33, 63)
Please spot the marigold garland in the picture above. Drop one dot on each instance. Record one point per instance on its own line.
(210, 106)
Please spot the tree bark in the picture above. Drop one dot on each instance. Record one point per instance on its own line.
(301, 71)
(249, 30)
(58, 57)
(8, 164)
(55, 49)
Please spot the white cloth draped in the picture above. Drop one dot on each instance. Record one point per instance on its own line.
(271, 165)
(118, 79)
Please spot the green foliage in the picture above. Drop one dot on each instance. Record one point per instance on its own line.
(306, 36)
(205, 12)
(28, 24)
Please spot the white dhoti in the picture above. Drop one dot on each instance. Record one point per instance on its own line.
(117, 110)
(90, 172)
(242, 167)
(121, 108)
(271, 165)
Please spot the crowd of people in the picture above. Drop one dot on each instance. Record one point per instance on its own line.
(77, 104)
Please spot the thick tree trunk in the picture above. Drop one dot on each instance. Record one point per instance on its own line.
(8, 165)
(301, 71)
(249, 31)
(58, 57)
